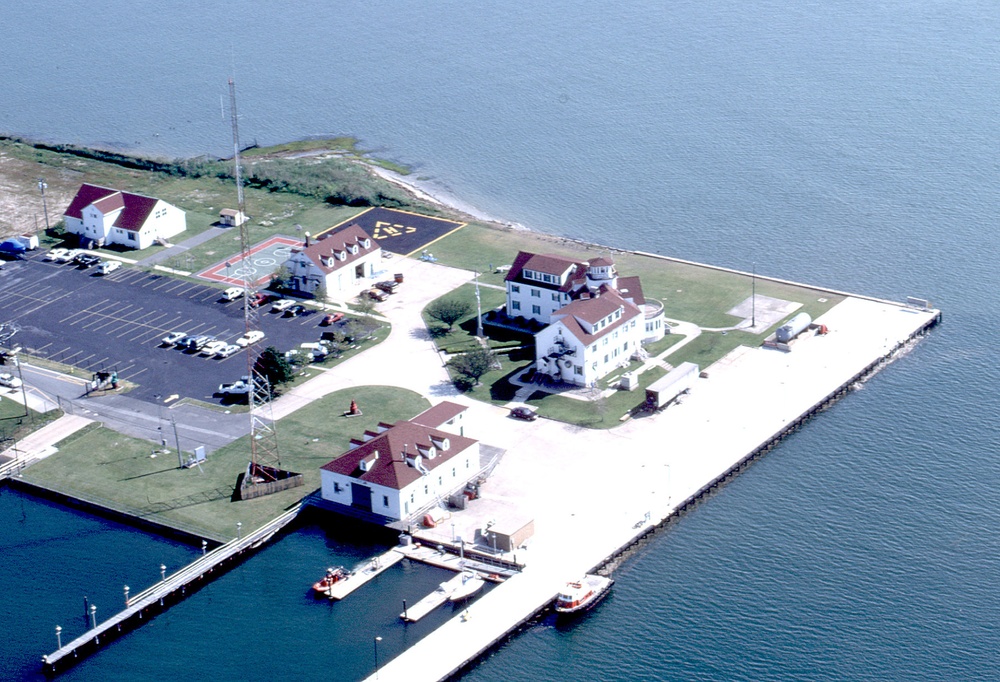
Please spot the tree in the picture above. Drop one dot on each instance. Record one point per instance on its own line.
(448, 310)
(273, 366)
(474, 364)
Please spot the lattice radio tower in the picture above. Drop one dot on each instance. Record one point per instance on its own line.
(264, 462)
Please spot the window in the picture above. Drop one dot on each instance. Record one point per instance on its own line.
(535, 293)
(453, 474)
(385, 500)
(337, 488)
(577, 369)
(425, 490)
(555, 297)
(515, 289)
(440, 481)
(536, 310)
(605, 359)
(413, 497)
(593, 349)
(515, 305)
(131, 236)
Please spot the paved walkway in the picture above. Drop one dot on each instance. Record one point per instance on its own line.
(40, 444)
(185, 245)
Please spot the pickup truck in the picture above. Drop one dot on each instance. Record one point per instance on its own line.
(241, 387)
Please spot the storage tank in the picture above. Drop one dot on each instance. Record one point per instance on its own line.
(793, 327)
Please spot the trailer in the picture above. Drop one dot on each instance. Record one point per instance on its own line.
(677, 381)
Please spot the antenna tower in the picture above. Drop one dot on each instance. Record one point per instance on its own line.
(264, 466)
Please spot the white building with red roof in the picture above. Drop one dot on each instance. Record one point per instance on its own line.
(102, 216)
(596, 321)
(398, 470)
(344, 260)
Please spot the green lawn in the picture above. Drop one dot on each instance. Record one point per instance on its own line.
(118, 471)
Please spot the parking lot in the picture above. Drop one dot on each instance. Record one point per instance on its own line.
(115, 323)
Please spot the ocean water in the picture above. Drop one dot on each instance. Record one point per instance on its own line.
(844, 143)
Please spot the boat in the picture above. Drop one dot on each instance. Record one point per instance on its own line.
(471, 583)
(333, 575)
(581, 595)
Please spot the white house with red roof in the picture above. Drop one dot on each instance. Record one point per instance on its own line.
(596, 321)
(398, 470)
(102, 216)
(344, 261)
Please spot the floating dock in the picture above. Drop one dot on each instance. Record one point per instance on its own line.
(433, 600)
(363, 573)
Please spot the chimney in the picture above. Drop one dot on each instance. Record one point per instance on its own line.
(308, 239)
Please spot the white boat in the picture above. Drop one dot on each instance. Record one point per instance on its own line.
(471, 583)
(582, 594)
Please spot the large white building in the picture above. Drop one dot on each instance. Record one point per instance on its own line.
(103, 216)
(595, 320)
(399, 470)
(344, 261)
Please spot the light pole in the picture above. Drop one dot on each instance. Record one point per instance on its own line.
(59, 636)
(479, 310)
(239, 530)
(377, 640)
(126, 596)
(45, 207)
(163, 572)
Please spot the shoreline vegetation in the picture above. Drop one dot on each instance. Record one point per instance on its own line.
(334, 171)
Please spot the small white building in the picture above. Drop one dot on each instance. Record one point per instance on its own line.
(596, 320)
(399, 470)
(104, 216)
(344, 261)
(231, 217)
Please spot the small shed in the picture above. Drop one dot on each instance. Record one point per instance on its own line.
(230, 217)
(512, 532)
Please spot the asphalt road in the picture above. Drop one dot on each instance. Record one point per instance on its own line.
(116, 322)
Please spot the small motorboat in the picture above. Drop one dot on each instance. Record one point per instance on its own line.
(333, 575)
(581, 595)
(471, 583)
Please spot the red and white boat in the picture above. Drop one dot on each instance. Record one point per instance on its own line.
(582, 594)
(333, 575)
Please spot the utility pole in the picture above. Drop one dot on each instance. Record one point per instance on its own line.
(479, 310)
(753, 295)
(41, 187)
(177, 440)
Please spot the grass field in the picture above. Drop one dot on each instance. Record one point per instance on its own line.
(114, 470)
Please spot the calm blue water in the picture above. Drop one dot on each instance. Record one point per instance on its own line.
(846, 143)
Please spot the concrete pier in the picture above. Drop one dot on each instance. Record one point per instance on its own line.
(629, 483)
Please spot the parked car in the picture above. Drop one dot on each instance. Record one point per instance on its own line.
(282, 305)
(525, 413)
(230, 349)
(199, 342)
(332, 318)
(213, 347)
(86, 260)
(377, 294)
(233, 293)
(108, 266)
(172, 338)
(295, 310)
(241, 387)
(389, 286)
(252, 336)
(258, 299)
(57, 255)
(69, 256)
(10, 381)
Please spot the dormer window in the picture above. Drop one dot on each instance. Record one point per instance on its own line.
(366, 243)
(354, 249)
(367, 462)
(342, 255)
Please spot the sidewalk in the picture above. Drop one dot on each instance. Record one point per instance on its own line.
(41, 443)
(178, 249)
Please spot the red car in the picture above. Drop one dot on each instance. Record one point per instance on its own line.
(332, 318)
(259, 299)
(525, 413)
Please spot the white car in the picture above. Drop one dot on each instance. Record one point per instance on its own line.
(56, 255)
(252, 336)
(282, 305)
(172, 338)
(233, 293)
(10, 381)
(68, 256)
(108, 266)
(227, 351)
(212, 348)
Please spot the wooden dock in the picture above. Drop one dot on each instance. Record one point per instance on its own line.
(433, 600)
(144, 606)
(363, 573)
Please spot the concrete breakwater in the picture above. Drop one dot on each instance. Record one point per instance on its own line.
(822, 375)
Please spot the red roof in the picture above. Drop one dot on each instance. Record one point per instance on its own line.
(136, 206)
(441, 413)
(548, 264)
(321, 251)
(592, 311)
(631, 289)
(391, 469)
